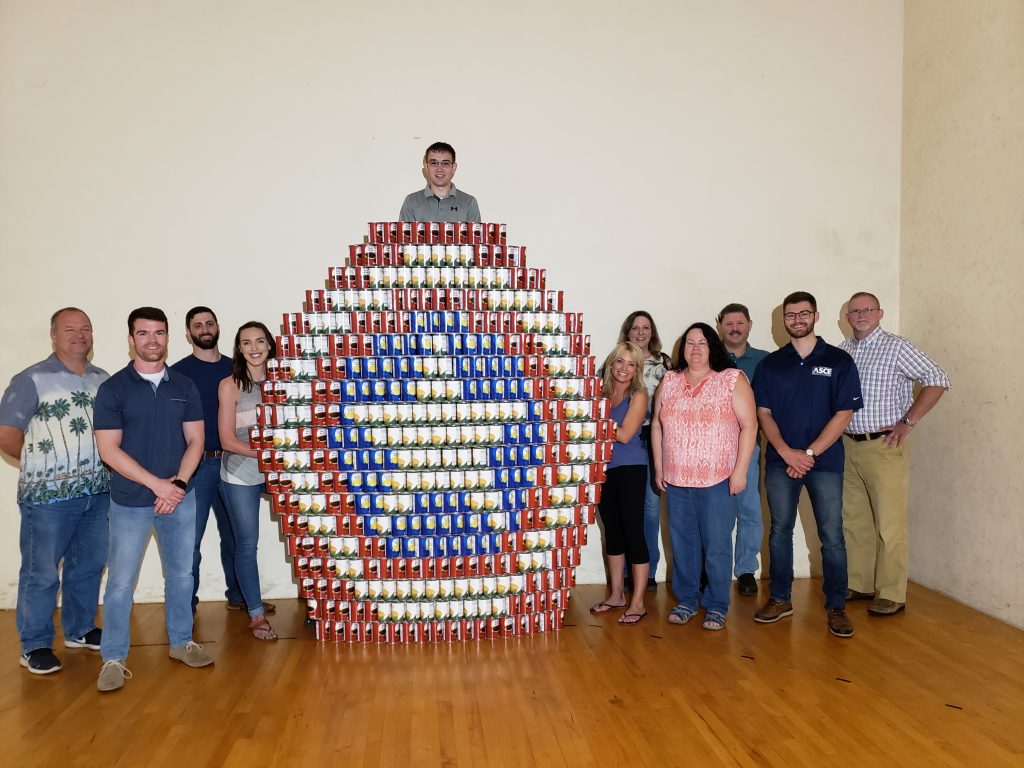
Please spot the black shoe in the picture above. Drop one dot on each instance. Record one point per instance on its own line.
(746, 585)
(652, 585)
(90, 640)
(41, 661)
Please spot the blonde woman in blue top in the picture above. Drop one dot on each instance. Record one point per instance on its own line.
(622, 495)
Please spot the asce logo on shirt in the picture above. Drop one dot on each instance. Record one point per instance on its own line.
(821, 370)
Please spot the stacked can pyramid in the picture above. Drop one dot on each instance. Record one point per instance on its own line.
(434, 439)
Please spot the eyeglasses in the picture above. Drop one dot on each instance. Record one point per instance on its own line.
(804, 314)
(439, 163)
(859, 312)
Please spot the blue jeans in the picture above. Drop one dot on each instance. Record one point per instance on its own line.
(652, 522)
(74, 530)
(206, 482)
(749, 525)
(244, 513)
(129, 534)
(826, 492)
(701, 519)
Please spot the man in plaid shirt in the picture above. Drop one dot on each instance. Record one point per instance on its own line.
(877, 472)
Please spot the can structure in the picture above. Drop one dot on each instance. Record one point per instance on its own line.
(434, 440)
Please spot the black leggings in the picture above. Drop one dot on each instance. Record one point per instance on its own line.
(622, 511)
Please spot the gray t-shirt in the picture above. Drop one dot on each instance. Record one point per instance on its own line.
(424, 205)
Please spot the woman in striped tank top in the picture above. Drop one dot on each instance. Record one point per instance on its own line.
(240, 477)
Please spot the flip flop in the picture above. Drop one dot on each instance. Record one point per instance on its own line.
(604, 607)
(631, 618)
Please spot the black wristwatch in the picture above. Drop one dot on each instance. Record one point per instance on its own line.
(180, 483)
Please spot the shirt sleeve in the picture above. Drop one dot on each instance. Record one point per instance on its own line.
(194, 406)
(107, 411)
(474, 211)
(847, 395)
(762, 390)
(19, 402)
(917, 366)
(406, 214)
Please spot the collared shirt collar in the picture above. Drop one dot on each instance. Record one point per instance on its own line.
(89, 367)
(869, 339)
(134, 373)
(819, 347)
(428, 193)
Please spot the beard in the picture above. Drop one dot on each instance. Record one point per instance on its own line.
(807, 330)
(206, 342)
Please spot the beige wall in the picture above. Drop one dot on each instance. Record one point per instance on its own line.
(961, 282)
(674, 156)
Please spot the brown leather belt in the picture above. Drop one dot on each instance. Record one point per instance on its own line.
(865, 436)
(212, 454)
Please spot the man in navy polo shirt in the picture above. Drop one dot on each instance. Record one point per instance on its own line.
(806, 394)
(149, 430)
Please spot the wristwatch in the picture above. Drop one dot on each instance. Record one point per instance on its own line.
(180, 483)
(908, 422)
(810, 453)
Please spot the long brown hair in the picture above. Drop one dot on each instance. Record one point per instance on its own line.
(239, 368)
(654, 345)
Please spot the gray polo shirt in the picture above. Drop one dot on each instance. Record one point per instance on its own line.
(424, 205)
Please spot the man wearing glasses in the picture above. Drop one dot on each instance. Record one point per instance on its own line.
(877, 476)
(806, 394)
(439, 200)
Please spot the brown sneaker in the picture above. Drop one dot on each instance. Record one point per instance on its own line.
(839, 623)
(772, 611)
(883, 607)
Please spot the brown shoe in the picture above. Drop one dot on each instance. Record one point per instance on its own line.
(852, 594)
(772, 611)
(883, 607)
(839, 623)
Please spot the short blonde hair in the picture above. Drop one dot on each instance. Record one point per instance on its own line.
(620, 349)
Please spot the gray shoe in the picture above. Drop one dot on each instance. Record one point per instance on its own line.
(191, 654)
(883, 607)
(112, 675)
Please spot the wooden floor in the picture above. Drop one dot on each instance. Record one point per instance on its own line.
(939, 685)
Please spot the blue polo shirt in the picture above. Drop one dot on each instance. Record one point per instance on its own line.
(151, 420)
(207, 378)
(749, 360)
(804, 393)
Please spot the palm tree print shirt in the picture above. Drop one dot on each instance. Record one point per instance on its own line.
(53, 406)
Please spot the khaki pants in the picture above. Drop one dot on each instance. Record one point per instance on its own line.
(875, 487)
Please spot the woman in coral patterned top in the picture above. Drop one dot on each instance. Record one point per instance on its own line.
(702, 436)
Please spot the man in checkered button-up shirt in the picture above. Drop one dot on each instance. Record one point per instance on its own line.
(877, 473)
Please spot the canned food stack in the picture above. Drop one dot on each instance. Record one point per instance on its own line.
(434, 440)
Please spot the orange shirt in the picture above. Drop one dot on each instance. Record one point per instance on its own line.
(699, 429)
